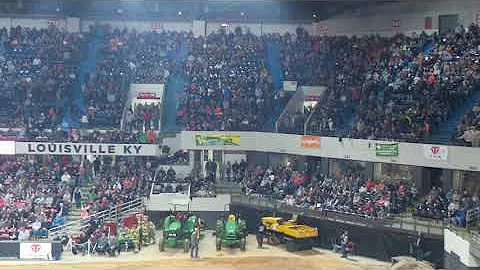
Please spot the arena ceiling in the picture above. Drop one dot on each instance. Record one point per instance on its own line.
(235, 10)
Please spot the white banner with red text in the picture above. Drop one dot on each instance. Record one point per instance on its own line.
(436, 152)
(36, 251)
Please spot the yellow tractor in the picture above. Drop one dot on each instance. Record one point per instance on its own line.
(296, 236)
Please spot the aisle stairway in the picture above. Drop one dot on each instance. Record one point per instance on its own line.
(87, 65)
(275, 69)
(173, 96)
(448, 129)
(74, 223)
(174, 90)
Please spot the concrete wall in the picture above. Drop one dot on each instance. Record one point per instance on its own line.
(459, 158)
(141, 25)
(455, 244)
(411, 16)
(259, 28)
(161, 202)
(362, 21)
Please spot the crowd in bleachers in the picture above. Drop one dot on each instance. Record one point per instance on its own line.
(453, 205)
(348, 194)
(229, 86)
(128, 57)
(386, 88)
(143, 117)
(36, 75)
(426, 90)
(34, 196)
(469, 127)
(198, 186)
(117, 182)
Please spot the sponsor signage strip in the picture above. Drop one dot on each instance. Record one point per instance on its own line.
(35, 250)
(310, 142)
(386, 149)
(204, 140)
(44, 148)
(436, 152)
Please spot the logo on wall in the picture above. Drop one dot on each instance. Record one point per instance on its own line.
(157, 26)
(436, 152)
(310, 142)
(205, 140)
(36, 247)
(387, 149)
(35, 250)
(396, 23)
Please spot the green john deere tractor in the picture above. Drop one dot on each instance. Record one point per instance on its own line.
(177, 230)
(231, 232)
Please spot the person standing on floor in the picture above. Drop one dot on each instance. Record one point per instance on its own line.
(419, 247)
(260, 235)
(344, 243)
(194, 240)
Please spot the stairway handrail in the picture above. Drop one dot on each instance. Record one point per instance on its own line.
(120, 208)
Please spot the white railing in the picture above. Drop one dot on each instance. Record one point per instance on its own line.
(113, 212)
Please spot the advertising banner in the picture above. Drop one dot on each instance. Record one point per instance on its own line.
(204, 140)
(436, 152)
(97, 149)
(386, 149)
(310, 142)
(290, 86)
(36, 251)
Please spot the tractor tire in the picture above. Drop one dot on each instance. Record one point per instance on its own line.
(161, 244)
(273, 240)
(219, 245)
(186, 245)
(243, 244)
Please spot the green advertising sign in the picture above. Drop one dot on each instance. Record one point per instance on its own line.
(203, 140)
(386, 149)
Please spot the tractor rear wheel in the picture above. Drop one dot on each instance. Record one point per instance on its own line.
(243, 244)
(186, 245)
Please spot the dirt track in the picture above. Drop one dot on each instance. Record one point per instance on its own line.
(150, 258)
(223, 263)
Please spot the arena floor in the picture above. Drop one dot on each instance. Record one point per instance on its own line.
(150, 258)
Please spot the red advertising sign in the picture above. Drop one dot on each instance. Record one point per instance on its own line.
(147, 95)
(395, 23)
(157, 26)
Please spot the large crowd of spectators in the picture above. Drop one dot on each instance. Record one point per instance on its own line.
(83, 136)
(229, 86)
(36, 75)
(425, 92)
(469, 127)
(119, 181)
(461, 208)
(128, 57)
(35, 196)
(383, 88)
(348, 194)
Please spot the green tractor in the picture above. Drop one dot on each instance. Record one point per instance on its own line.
(177, 230)
(231, 232)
